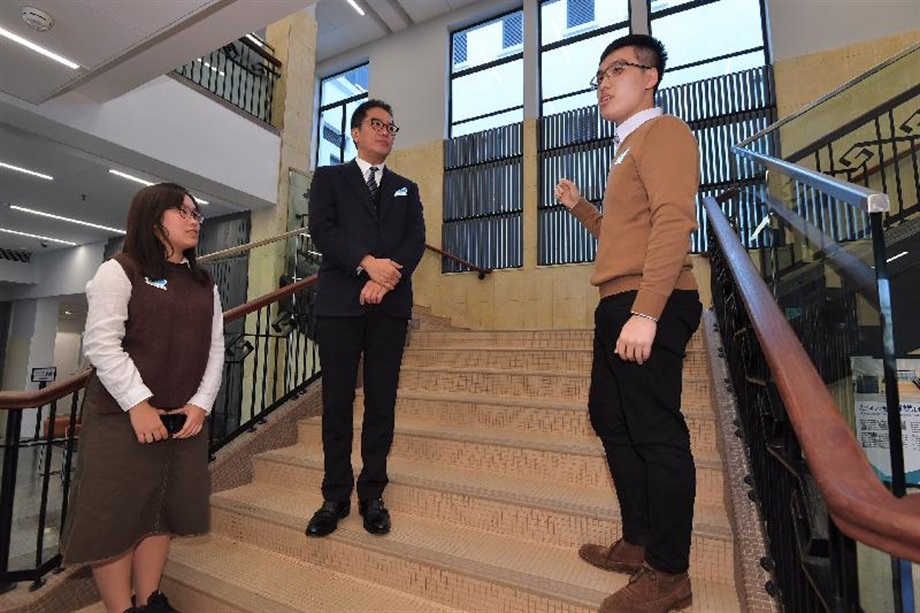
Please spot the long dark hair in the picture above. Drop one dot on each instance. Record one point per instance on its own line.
(145, 226)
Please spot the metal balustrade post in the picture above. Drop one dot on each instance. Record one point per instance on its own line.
(8, 493)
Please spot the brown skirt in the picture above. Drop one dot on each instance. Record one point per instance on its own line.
(124, 491)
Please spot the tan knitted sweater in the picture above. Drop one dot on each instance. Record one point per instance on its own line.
(649, 214)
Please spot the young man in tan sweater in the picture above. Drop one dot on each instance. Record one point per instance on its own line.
(648, 311)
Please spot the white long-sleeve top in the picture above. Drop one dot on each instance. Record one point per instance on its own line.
(108, 293)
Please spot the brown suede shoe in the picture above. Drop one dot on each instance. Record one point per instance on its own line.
(621, 557)
(650, 591)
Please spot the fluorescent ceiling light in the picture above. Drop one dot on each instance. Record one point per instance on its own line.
(254, 39)
(38, 49)
(125, 175)
(67, 219)
(26, 171)
(41, 238)
(355, 6)
(894, 257)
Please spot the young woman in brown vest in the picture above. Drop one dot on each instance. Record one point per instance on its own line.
(154, 333)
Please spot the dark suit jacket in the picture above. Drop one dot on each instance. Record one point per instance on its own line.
(345, 227)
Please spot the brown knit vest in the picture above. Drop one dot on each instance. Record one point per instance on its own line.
(168, 332)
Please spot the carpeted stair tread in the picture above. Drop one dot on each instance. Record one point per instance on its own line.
(557, 572)
(250, 578)
(710, 520)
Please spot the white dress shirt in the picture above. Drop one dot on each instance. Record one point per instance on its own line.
(629, 126)
(108, 293)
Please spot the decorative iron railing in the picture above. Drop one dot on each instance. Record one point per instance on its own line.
(243, 73)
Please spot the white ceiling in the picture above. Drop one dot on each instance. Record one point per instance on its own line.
(120, 45)
(340, 27)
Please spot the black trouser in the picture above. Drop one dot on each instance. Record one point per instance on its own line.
(635, 410)
(342, 340)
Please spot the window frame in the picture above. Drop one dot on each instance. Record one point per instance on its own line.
(506, 58)
(689, 6)
(344, 102)
(541, 48)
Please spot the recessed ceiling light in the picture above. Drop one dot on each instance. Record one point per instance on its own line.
(67, 219)
(38, 49)
(36, 236)
(125, 175)
(355, 6)
(26, 171)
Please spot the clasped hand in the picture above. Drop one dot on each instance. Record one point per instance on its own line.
(149, 428)
(382, 270)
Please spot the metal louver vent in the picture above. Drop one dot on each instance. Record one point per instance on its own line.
(16, 255)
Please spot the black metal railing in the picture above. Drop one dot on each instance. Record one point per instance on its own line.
(270, 358)
(243, 73)
(814, 487)
(720, 111)
(484, 199)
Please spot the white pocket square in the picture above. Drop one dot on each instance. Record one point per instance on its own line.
(402, 191)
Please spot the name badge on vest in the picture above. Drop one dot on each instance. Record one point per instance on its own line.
(157, 283)
(621, 157)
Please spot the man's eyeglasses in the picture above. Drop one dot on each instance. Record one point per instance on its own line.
(613, 71)
(188, 214)
(379, 126)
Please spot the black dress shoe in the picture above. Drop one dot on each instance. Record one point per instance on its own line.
(326, 519)
(376, 517)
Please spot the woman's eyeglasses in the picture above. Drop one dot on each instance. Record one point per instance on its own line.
(188, 214)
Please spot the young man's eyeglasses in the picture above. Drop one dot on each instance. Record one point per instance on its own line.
(189, 214)
(379, 126)
(613, 71)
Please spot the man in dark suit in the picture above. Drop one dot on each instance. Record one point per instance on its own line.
(367, 222)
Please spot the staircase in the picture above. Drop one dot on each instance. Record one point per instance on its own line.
(496, 478)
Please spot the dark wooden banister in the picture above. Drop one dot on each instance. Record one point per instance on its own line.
(857, 501)
(55, 391)
(482, 271)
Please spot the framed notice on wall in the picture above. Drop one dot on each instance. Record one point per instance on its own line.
(871, 414)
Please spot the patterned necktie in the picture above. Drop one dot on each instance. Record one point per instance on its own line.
(372, 183)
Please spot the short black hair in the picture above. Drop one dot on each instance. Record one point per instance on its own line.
(649, 50)
(357, 118)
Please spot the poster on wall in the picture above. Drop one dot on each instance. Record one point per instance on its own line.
(872, 416)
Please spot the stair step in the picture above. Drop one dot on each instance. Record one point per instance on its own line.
(527, 455)
(552, 416)
(536, 511)
(528, 384)
(523, 359)
(214, 573)
(529, 339)
(459, 567)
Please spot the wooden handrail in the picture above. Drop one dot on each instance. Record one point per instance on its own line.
(33, 399)
(856, 500)
(268, 57)
(482, 271)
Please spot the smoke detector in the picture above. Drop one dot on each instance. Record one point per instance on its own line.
(38, 20)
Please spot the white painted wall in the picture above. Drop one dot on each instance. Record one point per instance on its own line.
(800, 27)
(60, 273)
(166, 128)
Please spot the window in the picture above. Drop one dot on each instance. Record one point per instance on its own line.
(573, 33)
(733, 39)
(340, 94)
(487, 75)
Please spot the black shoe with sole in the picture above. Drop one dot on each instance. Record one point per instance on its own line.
(326, 519)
